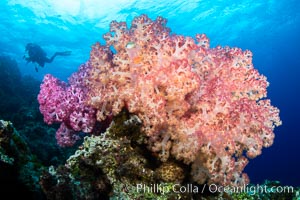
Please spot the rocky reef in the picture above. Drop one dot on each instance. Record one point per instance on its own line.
(111, 165)
(19, 168)
(116, 165)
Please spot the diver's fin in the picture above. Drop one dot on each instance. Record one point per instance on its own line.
(36, 69)
(64, 53)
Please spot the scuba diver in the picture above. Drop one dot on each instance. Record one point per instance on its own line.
(38, 55)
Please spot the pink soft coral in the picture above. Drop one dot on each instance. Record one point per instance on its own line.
(204, 106)
(62, 103)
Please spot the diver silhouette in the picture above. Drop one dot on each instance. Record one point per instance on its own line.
(38, 55)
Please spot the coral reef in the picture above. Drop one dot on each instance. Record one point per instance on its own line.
(111, 165)
(201, 106)
(114, 165)
(19, 168)
(26, 142)
(6, 131)
(62, 103)
(19, 105)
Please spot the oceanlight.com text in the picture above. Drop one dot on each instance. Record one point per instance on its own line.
(250, 189)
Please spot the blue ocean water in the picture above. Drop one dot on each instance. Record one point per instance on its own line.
(270, 29)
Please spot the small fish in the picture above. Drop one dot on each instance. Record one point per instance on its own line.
(130, 45)
(137, 60)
